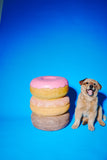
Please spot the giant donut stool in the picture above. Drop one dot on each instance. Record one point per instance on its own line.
(50, 123)
(49, 87)
(47, 107)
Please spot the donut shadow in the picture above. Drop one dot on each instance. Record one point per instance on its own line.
(73, 96)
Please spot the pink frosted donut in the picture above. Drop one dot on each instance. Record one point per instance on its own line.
(49, 87)
(47, 107)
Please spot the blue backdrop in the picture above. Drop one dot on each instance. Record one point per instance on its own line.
(65, 38)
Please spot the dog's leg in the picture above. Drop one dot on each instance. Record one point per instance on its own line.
(91, 120)
(78, 116)
(99, 117)
(85, 120)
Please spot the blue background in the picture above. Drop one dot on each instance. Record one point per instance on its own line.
(50, 37)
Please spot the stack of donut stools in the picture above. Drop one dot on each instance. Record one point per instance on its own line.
(49, 103)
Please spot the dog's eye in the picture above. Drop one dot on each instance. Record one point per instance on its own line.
(94, 84)
(86, 82)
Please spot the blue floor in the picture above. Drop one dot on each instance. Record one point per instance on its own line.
(65, 38)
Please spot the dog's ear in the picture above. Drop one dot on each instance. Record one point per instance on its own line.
(99, 86)
(81, 82)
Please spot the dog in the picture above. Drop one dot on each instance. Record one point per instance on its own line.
(87, 108)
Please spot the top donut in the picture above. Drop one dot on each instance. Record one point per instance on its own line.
(49, 87)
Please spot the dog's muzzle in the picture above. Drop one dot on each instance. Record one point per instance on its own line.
(91, 90)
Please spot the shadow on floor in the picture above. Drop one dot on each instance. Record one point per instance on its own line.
(73, 96)
(101, 98)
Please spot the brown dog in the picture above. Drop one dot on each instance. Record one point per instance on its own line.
(87, 105)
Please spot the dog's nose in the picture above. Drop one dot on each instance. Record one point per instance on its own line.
(91, 86)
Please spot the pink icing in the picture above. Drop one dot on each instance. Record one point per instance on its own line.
(50, 103)
(49, 82)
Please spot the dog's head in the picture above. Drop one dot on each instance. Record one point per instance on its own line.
(90, 87)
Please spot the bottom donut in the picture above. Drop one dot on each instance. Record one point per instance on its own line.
(52, 123)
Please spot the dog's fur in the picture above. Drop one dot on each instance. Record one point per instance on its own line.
(87, 108)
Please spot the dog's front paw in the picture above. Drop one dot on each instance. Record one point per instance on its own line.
(91, 128)
(74, 126)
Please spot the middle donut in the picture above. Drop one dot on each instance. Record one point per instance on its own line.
(50, 107)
